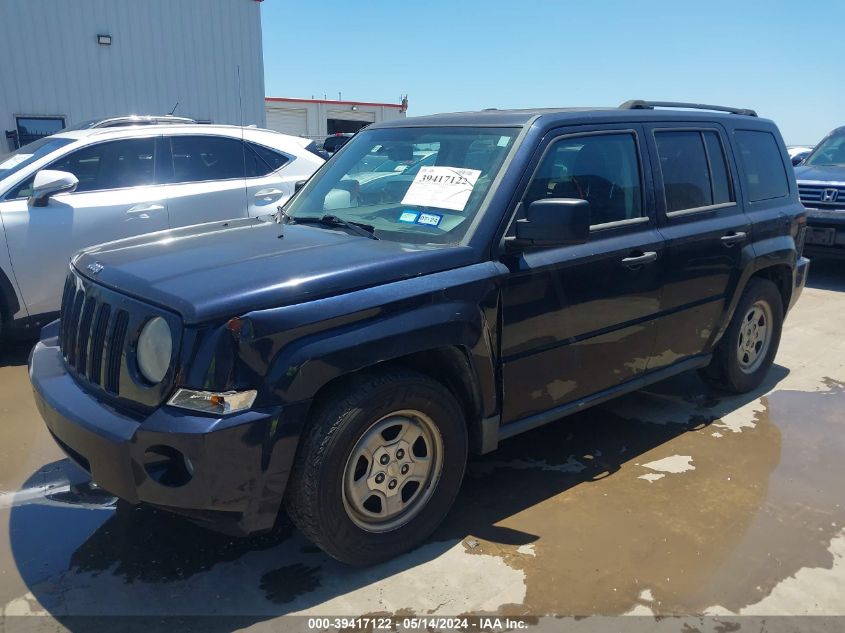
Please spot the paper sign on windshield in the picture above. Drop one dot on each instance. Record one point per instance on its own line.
(442, 187)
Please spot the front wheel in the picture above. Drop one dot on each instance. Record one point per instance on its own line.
(747, 350)
(379, 466)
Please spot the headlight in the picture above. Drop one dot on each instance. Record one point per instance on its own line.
(221, 403)
(155, 348)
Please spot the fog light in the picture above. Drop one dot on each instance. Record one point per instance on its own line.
(167, 466)
(220, 403)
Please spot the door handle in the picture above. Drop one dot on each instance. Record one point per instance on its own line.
(268, 194)
(638, 260)
(734, 237)
(143, 210)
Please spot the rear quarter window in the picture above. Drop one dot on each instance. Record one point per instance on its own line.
(763, 171)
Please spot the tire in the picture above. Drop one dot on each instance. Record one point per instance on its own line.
(341, 495)
(735, 366)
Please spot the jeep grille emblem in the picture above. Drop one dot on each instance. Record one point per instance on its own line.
(830, 195)
(95, 268)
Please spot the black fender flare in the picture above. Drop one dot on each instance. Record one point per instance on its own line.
(767, 253)
(307, 365)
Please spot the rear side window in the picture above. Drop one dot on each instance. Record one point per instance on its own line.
(694, 171)
(200, 158)
(763, 169)
(719, 177)
(603, 169)
(266, 160)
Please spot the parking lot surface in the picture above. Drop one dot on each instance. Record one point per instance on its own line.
(672, 500)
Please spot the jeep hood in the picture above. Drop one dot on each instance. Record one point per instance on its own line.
(223, 269)
(833, 174)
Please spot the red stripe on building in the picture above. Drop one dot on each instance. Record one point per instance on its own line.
(330, 102)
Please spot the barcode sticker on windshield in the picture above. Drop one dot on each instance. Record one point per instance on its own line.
(442, 187)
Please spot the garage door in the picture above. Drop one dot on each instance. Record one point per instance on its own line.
(350, 115)
(288, 120)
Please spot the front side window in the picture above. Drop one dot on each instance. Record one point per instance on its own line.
(201, 158)
(430, 192)
(109, 165)
(764, 171)
(28, 154)
(830, 152)
(694, 171)
(603, 169)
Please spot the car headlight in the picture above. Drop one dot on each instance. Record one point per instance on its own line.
(155, 349)
(221, 403)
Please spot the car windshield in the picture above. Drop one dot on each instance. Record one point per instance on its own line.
(830, 151)
(20, 158)
(439, 179)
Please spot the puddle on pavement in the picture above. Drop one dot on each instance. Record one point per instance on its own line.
(758, 506)
(283, 585)
(733, 514)
(142, 544)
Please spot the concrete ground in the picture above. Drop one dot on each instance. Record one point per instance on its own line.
(672, 500)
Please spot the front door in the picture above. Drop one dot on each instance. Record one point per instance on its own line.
(579, 319)
(116, 198)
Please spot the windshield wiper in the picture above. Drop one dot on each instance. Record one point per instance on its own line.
(331, 221)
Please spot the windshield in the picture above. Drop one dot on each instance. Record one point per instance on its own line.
(830, 151)
(20, 158)
(418, 185)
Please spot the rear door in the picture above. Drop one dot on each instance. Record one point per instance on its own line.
(269, 181)
(705, 230)
(205, 178)
(578, 319)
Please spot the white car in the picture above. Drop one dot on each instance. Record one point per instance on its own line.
(78, 188)
(797, 153)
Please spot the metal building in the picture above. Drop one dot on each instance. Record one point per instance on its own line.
(65, 62)
(319, 118)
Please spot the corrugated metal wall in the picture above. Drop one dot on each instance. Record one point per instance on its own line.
(162, 51)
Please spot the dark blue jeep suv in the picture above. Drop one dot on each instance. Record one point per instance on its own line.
(343, 356)
(821, 187)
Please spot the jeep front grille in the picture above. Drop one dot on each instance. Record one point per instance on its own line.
(98, 331)
(92, 336)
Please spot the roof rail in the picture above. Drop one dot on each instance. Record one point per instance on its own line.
(637, 104)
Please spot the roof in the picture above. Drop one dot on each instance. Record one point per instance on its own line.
(520, 118)
(332, 102)
(173, 128)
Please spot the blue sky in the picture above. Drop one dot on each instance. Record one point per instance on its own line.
(783, 59)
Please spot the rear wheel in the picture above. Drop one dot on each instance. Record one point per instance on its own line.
(379, 466)
(747, 350)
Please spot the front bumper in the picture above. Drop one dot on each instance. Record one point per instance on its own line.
(228, 473)
(829, 226)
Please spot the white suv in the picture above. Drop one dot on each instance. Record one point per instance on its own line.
(99, 185)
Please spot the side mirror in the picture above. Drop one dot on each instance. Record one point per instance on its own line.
(553, 222)
(49, 182)
(299, 184)
(797, 160)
